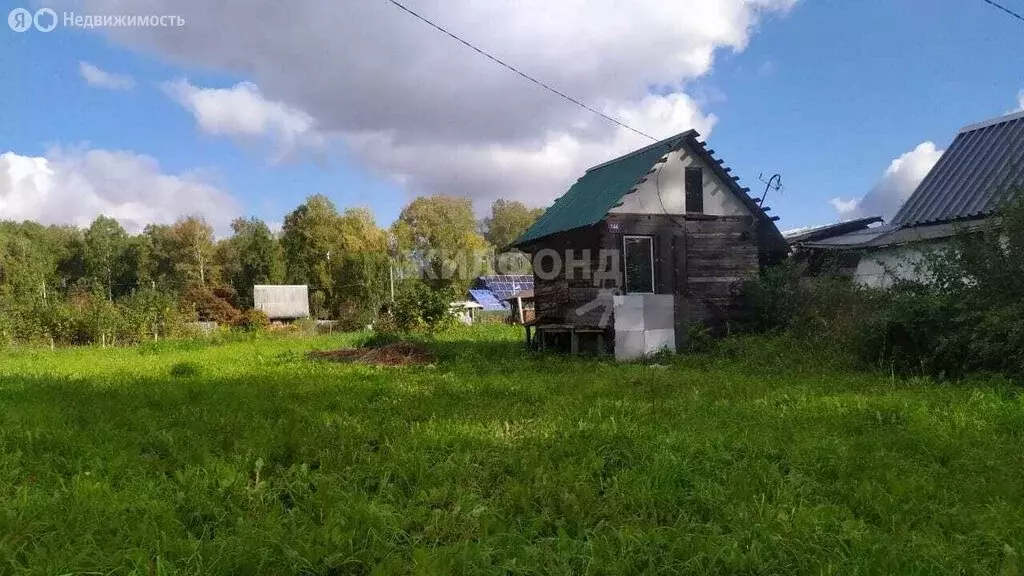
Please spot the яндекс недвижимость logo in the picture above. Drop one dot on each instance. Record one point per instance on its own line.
(20, 19)
(47, 19)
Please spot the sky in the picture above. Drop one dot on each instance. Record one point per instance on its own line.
(247, 107)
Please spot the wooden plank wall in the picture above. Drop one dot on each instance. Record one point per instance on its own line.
(721, 253)
(557, 299)
(699, 258)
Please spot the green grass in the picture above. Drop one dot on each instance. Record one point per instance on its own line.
(248, 458)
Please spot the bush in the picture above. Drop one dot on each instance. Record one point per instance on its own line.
(207, 306)
(967, 317)
(254, 320)
(420, 307)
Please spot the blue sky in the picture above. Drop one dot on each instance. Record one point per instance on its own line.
(826, 93)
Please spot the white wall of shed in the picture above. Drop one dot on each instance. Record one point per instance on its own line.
(670, 180)
(882, 268)
(282, 302)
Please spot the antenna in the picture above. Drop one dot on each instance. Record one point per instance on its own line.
(773, 183)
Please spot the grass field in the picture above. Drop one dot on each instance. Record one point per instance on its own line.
(247, 458)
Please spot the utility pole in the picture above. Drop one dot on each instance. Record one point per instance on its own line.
(392, 255)
(391, 277)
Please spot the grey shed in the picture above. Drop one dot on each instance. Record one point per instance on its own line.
(280, 302)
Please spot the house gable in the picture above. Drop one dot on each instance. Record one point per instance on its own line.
(664, 191)
(631, 184)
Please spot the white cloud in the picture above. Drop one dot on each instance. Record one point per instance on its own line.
(243, 112)
(844, 207)
(1020, 102)
(103, 79)
(74, 186)
(418, 106)
(898, 182)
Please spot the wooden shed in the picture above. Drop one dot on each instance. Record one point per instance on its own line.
(282, 302)
(643, 246)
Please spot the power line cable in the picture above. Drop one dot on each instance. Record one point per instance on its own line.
(999, 6)
(502, 63)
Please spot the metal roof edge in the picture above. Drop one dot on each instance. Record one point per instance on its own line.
(991, 122)
(815, 233)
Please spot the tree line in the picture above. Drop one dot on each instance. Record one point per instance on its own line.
(68, 285)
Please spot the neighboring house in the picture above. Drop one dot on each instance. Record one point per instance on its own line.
(492, 291)
(642, 247)
(965, 188)
(281, 302)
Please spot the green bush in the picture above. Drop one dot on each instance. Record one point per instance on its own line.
(419, 307)
(967, 317)
(254, 320)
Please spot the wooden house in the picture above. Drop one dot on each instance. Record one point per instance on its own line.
(643, 246)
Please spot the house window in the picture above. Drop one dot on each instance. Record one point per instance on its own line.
(694, 191)
(639, 260)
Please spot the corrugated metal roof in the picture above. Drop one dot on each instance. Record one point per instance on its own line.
(815, 233)
(602, 187)
(889, 235)
(973, 176)
(856, 239)
(281, 302)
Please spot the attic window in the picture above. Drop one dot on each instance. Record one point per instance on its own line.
(639, 260)
(694, 191)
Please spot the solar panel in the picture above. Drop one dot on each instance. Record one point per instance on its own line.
(487, 299)
(502, 287)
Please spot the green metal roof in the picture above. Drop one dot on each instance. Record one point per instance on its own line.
(600, 190)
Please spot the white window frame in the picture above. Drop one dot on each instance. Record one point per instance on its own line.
(625, 264)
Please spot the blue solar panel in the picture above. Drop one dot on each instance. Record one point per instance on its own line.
(486, 299)
(505, 286)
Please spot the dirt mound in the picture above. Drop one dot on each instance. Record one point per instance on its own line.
(394, 354)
